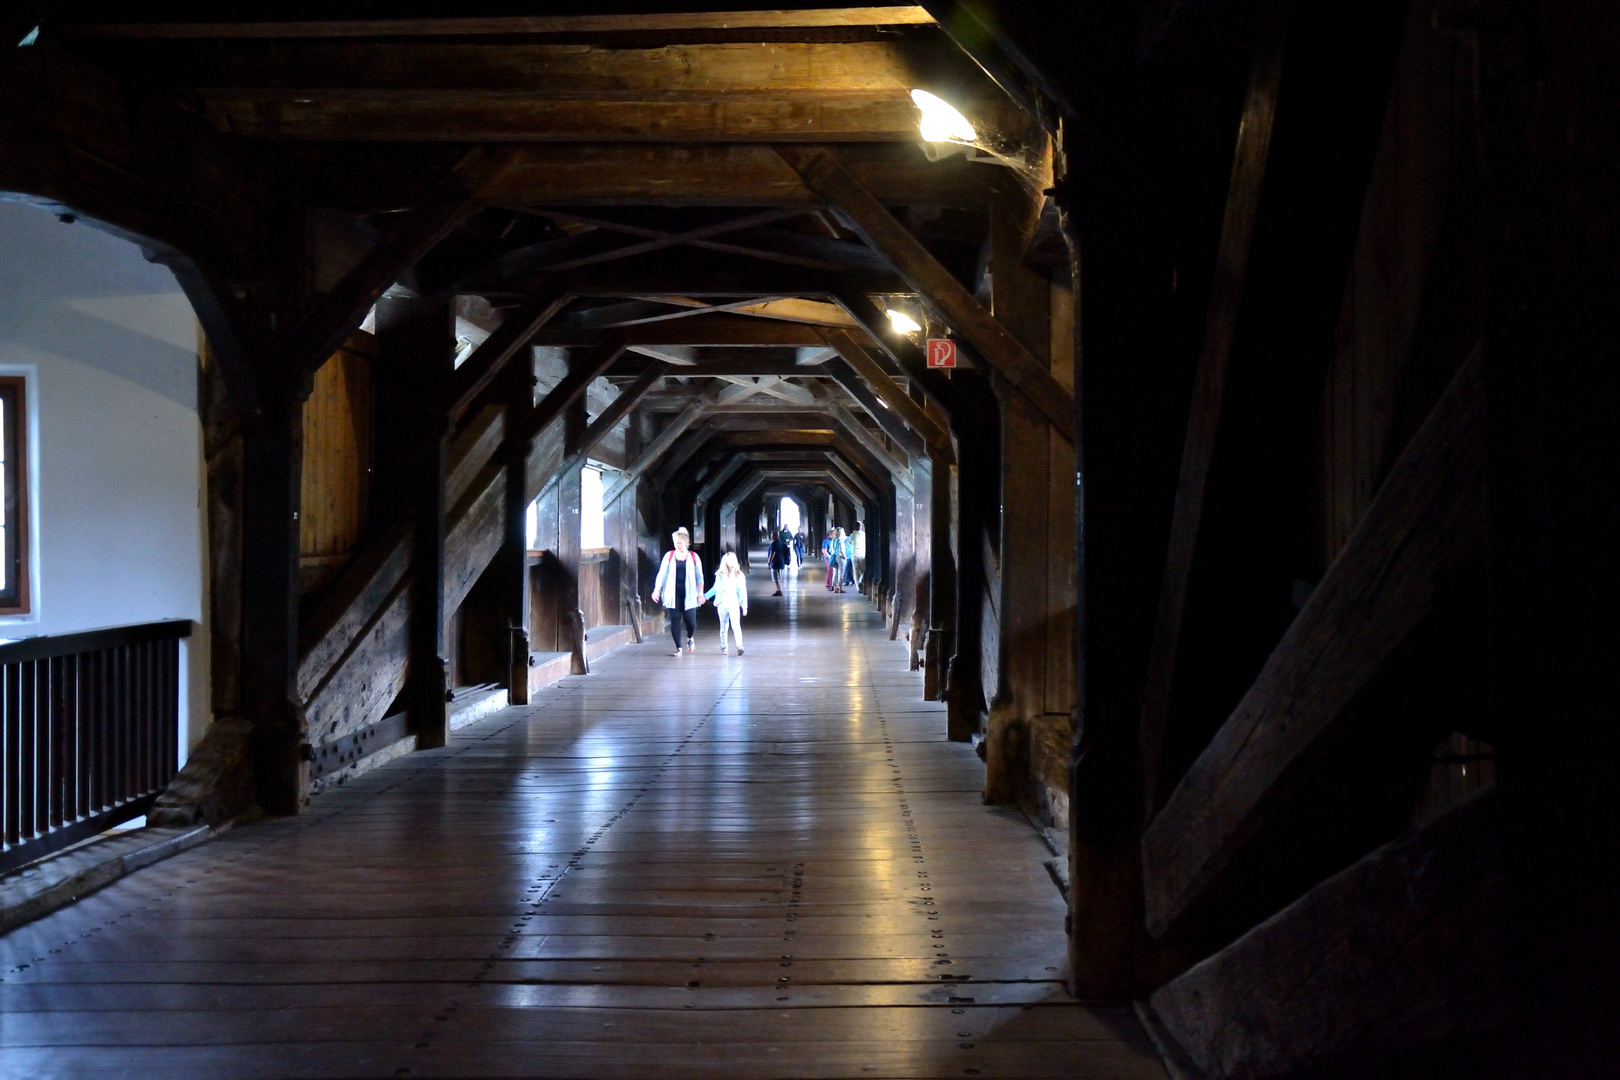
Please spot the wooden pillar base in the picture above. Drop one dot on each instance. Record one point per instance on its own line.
(580, 664)
(962, 708)
(938, 646)
(517, 675)
(1006, 744)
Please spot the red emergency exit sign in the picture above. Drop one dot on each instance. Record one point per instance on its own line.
(941, 353)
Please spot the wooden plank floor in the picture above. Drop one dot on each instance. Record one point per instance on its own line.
(762, 866)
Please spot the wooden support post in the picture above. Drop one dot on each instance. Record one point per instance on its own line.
(922, 544)
(513, 566)
(272, 464)
(940, 643)
(1203, 421)
(1552, 393)
(416, 341)
(568, 521)
(1020, 299)
(977, 497)
(1019, 680)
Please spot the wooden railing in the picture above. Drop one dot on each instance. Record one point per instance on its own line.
(599, 587)
(89, 733)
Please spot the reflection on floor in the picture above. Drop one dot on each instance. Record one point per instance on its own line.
(709, 866)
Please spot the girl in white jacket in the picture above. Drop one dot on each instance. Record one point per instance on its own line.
(730, 596)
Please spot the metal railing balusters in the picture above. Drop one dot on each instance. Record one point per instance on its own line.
(89, 733)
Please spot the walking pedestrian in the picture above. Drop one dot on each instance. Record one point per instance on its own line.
(679, 587)
(827, 556)
(781, 559)
(858, 572)
(798, 547)
(840, 560)
(730, 596)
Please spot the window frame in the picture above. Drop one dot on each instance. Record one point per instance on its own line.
(17, 598)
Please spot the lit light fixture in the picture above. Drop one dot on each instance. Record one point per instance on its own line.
(902, 322)
(946, 133)
(940, 120)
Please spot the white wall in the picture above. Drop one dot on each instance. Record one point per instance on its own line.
(109, 344)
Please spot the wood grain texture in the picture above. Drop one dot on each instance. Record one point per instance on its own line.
(1395, 963)
(898, 15)
(1209, 388)
(337, 457)
(1426, 521)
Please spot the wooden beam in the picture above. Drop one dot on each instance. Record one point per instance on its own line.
(658, 240)
(936, 385)
(1319, 984)
(1203, 420)
(822, 171)
(811, 312)
(891, 423)
(705, 329)
(610, 417)
(589, 368)
(682, 451)
(654, 450)
(316, 334)
(900, 15)
(460, 116)
(730, 280)
(890, 394)
(487, 362)
(747, 365)
(851, 423)
(740, 174)
(878, 67)
(1269, 760)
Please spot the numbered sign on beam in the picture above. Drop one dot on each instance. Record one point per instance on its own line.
(941, 353)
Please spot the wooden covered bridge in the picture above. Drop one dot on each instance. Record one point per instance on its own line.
(1227, 393)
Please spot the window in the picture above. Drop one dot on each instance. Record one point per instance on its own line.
(592, 530)
(13, 496)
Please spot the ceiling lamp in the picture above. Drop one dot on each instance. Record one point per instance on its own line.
(940, 121)
(902, 322)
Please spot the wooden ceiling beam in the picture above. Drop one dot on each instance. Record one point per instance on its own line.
(692, 71)
(459, 116)
(726, 278)
(792, 18)
(599, 173)
(719, 329)
(772, 245)
(310, 340)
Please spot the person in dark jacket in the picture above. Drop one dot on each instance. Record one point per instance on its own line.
(781, 558)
